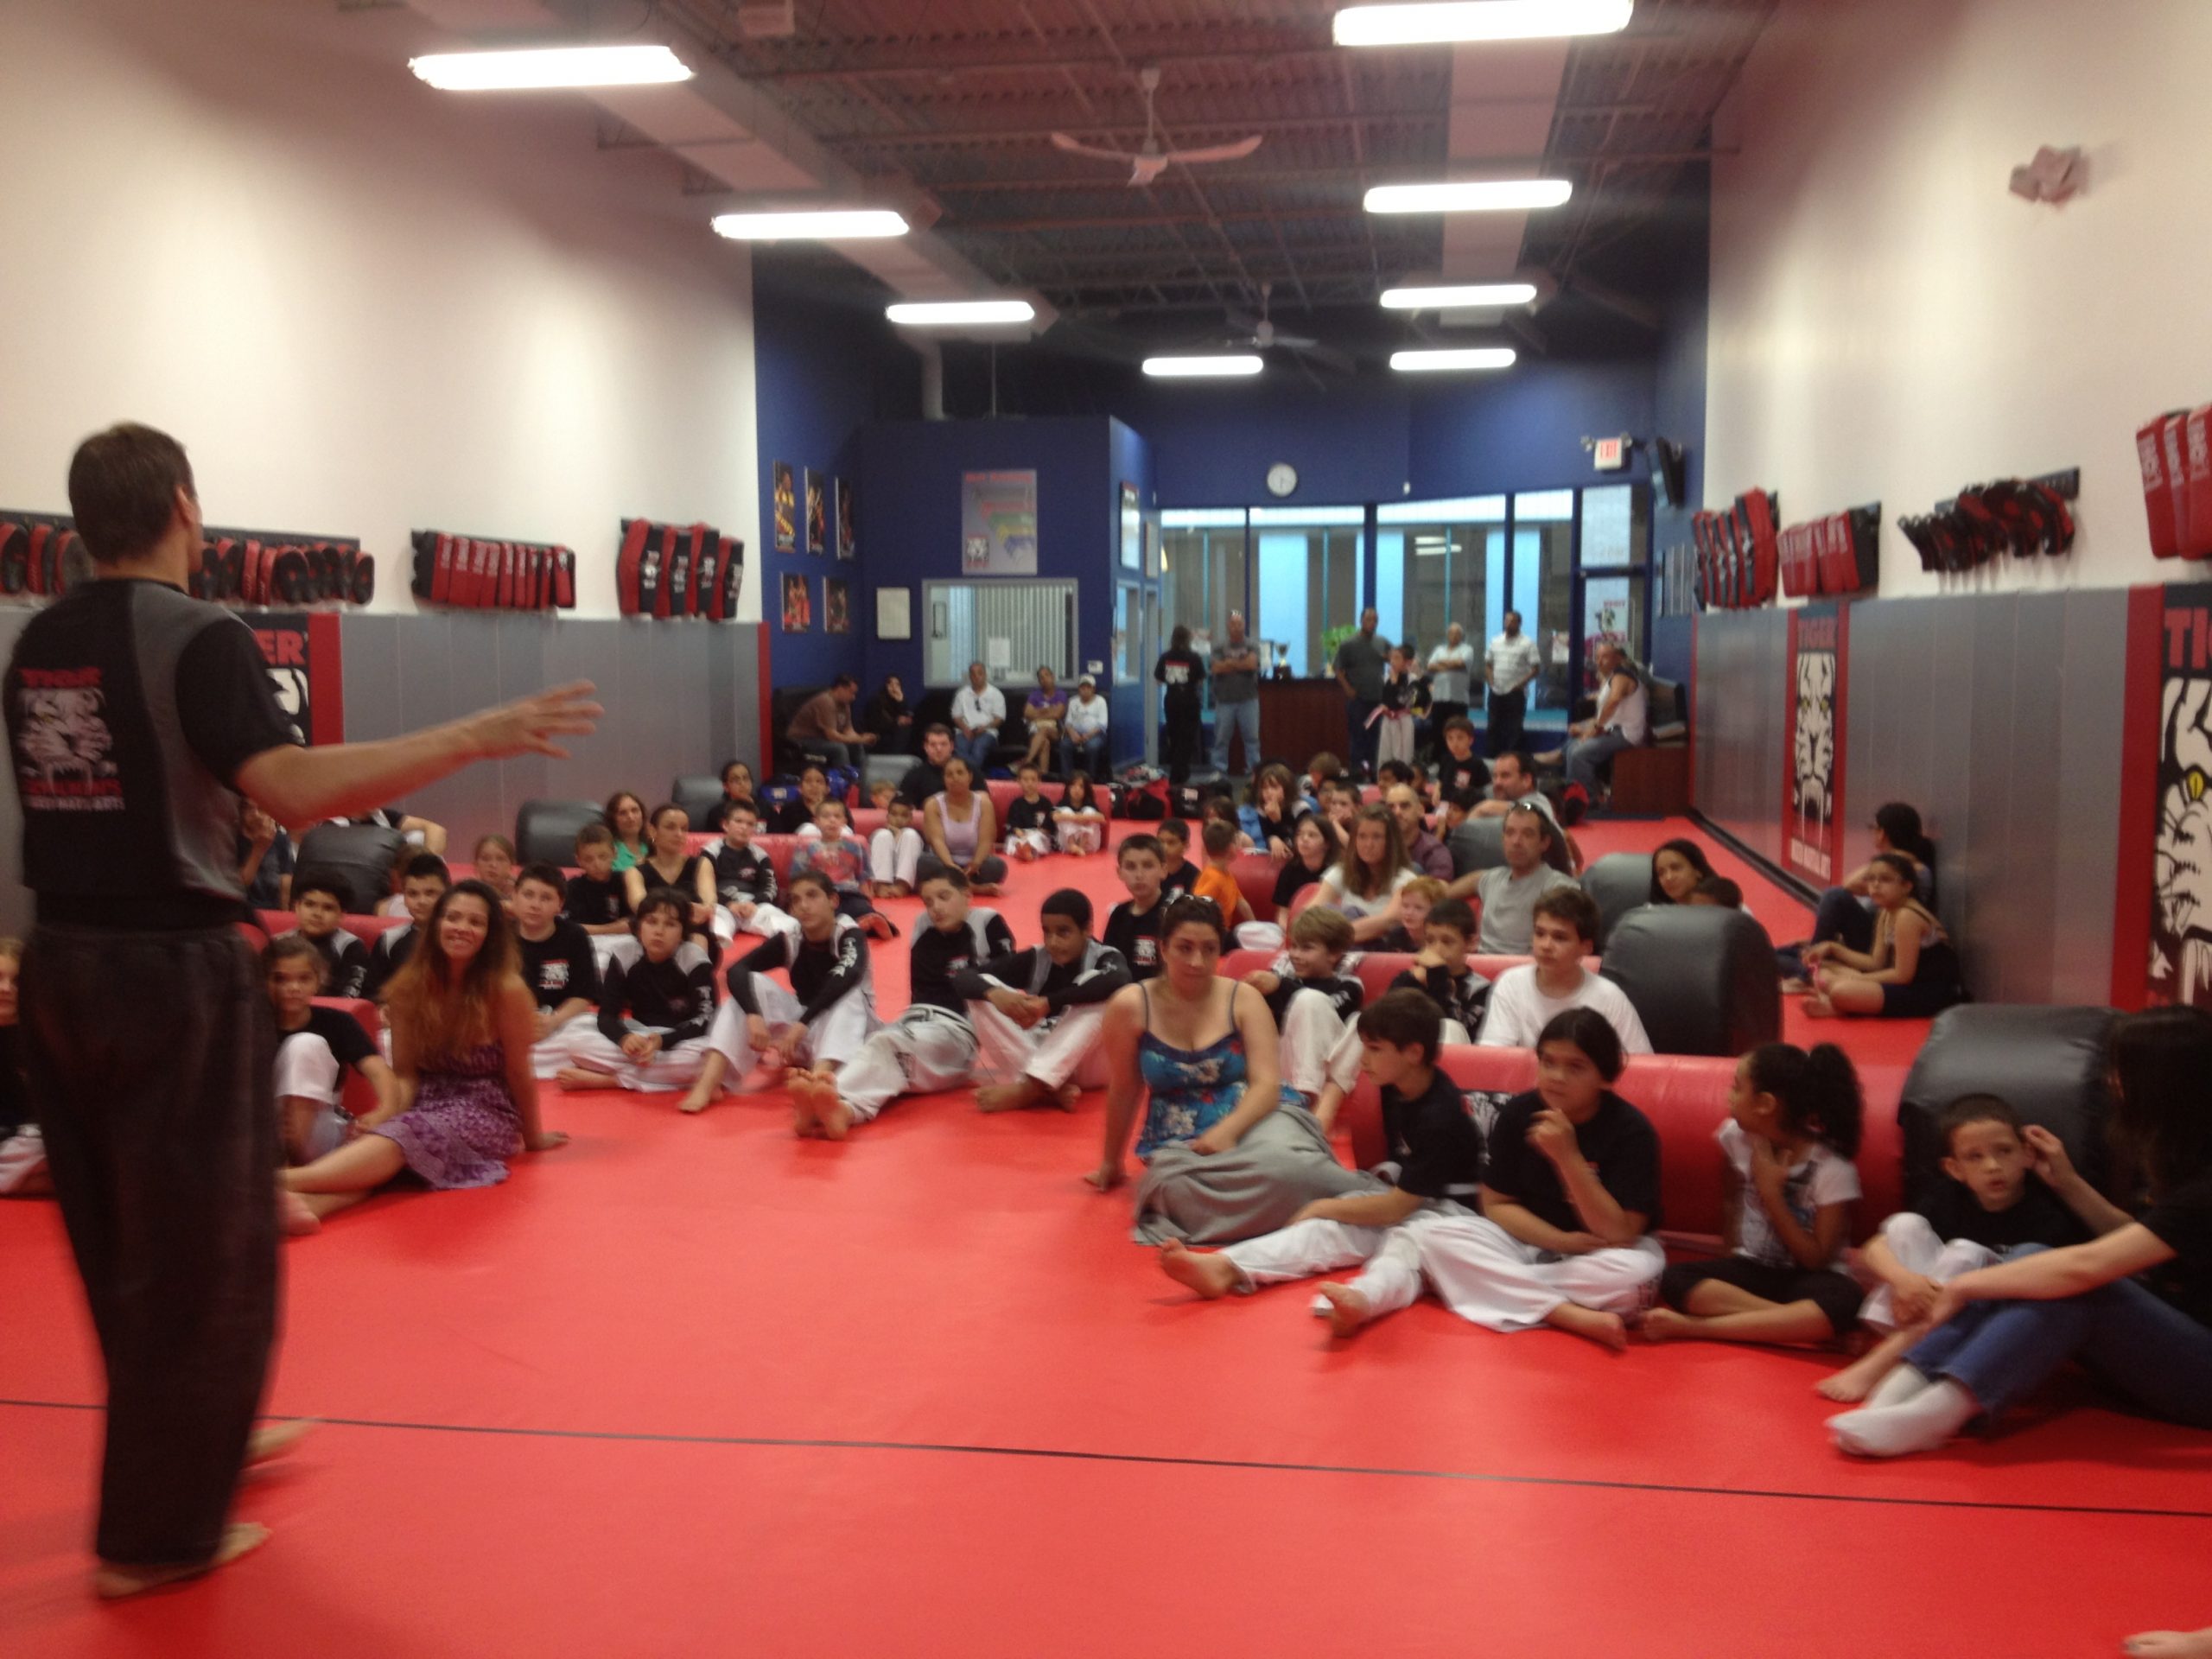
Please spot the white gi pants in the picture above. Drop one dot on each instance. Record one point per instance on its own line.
(1394, 738)
(669, 1070)
(1314, 1032)
(1917, 1249)
(1027, 843)
(558, 1048)
(307, 1070)
(1057, 1052)
(764, 920)
(1259, 936)
(925, 1049)
(1487, 1276)
(895, 854)
(1081, 835)
(833, 1037)
(1389, 1257)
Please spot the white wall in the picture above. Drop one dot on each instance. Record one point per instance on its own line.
(1888, 322)
(364, 306)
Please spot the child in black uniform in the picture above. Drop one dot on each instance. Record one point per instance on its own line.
(1435, 1167)
(423, 879)
(599, 900)
(1133, 929)
(1029, 823)
(1178, 875)
(559, 965)
(319, 917)
(825, 1016)
(656, 1001)
(1037, 1013)
(1441, 974)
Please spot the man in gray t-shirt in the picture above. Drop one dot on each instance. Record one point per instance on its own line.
(1508, 893)
(1361, 662)
(1235, 696)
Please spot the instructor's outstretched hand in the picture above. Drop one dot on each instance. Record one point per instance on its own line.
(529, 725)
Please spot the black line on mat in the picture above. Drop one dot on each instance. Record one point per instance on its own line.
(1055, 1454)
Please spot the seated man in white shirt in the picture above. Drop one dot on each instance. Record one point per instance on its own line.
(1526, 999)
(1623, 722)
(978, 711)
(1083, 734)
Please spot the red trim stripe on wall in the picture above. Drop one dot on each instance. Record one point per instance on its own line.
(326, 679)
(2138, 783)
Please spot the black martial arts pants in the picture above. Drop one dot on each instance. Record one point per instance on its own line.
(151, 1058)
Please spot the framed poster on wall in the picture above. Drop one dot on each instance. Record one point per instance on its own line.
(817, 512)
(836, 605)
(998, 524)
(847, 543)
(1812, 773)
(786, 502)
(1132, 529)
(2181, 863)
(798, 609)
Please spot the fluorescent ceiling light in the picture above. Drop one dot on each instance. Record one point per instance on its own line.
(1177, 368)
(820, 225)
(1479, 19)
(1468, 196)
(946, 313)
(549, 66)
(1471, 357)
(1450, 297)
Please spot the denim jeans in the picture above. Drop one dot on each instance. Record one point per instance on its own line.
(1229, 717)
(976, 749)
(1088, 753)
(2142, 1347)
(1359, 736)
(1585, 755)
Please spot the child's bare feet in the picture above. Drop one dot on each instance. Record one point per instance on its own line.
(1665, 1324)
(1854, 1381)
(297, 1215)
(1347, 1310)
(699, 1096)
(806, 1104)
(1068, 1095)
(1015, 1096)
(1818, 1006)
(1212, 1274)
(835, 1116)
(575, 1077)
(112, 1583)
(1606, 1329)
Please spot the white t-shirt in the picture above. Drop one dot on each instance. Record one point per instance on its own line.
(1333, 894)
(1512, 662)
(1085, 719)
(1819, 1179)
(1448, 671)
(1519, 1010)
(1631, 716)
(974, 708)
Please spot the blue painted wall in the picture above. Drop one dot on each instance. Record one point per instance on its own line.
(822, 372)
(909, 520)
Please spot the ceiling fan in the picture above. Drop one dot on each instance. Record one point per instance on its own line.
(1259, 334)
(1148, 161)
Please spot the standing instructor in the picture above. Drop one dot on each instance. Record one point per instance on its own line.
(136, 717)
(1513, 662)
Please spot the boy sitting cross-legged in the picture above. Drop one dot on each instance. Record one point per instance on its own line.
(1313, 1001)
(1441, 974)
(1434, 1169)
(1037, 1013)
(932, 1045)
(558, 964)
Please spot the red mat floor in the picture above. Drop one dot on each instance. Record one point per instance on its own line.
(690, 1386)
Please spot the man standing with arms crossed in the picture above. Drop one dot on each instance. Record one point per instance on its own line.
(1360, 662)
(137, 716)
(1236, 697)
(1512, 662)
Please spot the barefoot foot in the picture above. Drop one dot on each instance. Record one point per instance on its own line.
(112, 1583)
(836, 1117)
(1853, 1383)
(1606, 1329)
(1006, 1096)
(2170, 1644)
(297, 1215)
(806, 1105)
(1664, 1325)
(1068, 1095)
(275, 1439)
(1347, 1308)
(575, 1077)
(697, 1099)
(1212, 1274)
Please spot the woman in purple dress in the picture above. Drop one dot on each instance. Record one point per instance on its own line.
(462, 1023)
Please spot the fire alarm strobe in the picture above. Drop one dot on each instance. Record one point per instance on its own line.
(1610, 454)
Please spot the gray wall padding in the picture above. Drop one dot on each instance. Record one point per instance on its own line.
(680, 698)
(1702, 979)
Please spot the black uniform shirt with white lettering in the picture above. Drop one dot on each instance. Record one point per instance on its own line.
(1344, 992)
(349, 1044)
(1022, 813)
(1092, 977)
(1137, 937)
(386, 957)
(675, 997)
(131, 708)
(1463, 996)
(560, 966)
(594, 904)
(1433, 1141)
(744, 875)
(1474, 773)
(939, 958)
(821, 970)
(1177, 882)
(345, 960)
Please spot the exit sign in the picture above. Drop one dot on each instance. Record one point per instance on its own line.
(1610, 454)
